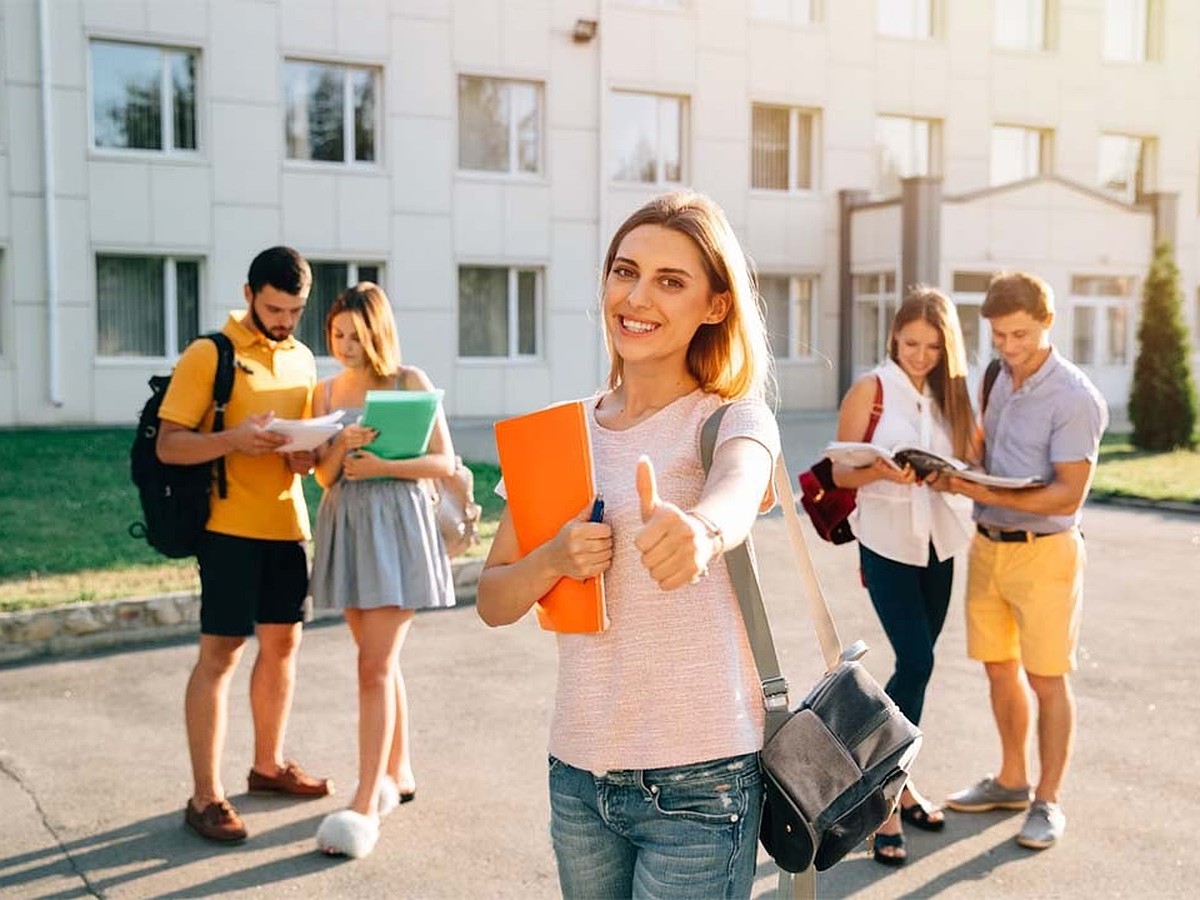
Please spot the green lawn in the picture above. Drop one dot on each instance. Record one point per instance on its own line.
(66, 504)
(1126, 472)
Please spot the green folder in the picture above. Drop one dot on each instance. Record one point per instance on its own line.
(404, 420)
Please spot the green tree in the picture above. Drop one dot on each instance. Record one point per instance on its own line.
(1162, 401)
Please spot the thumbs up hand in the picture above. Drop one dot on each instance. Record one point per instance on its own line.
(673, 544)
(582, 548)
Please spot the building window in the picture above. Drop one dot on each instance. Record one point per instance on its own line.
(146, 305)
(329, 280)
(499, 310)
(1019, 153)
(1131, 30)
(143, 97)
(331, 113)
(781, 148)
(970, 288)
(1101, 310)
(906, 18)
(792, 12)
(648, 137)
(875, 304)
(499, 125)
(791, 314)
(905, 147)
(1021, 24)
(1125, 165)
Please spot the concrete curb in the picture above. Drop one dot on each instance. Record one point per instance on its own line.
(1172, 506)
(87, 627)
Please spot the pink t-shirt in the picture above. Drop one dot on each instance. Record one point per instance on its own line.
(672, 681)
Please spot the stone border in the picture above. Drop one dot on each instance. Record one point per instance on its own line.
(86, 627)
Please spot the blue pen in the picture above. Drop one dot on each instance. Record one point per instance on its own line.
(597, 509)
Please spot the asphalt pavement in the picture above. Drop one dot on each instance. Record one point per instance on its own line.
(94, 774)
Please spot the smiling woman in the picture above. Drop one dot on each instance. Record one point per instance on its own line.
(685, 335)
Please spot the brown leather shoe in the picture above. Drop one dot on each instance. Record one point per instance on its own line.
(291, 779)
(218, 822)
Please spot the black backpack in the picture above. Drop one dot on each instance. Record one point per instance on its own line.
(175, 498)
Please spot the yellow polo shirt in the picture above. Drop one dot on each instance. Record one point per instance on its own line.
(264, 498)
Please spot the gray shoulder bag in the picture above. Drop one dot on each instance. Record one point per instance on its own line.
(833, 768)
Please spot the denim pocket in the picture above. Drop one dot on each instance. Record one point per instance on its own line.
(712, 798)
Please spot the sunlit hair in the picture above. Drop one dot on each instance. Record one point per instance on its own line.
(374, 324)
(1011, 292)
(948, 380)
(731, 357)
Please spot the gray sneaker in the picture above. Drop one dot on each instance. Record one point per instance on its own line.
(989, 794)
(1043, 826)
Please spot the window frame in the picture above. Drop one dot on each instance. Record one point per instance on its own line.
(352, 278)
(933, 151)
(349, 144)
(963, 297)
(795, 113)
(166, 101)
(512, 354)
(1099, 304)
(1144, 175)
(170, 303)
(1048, 39)
(936, 19)
(1045, 138)
(791, 20)
(511, 174)
(1150, 17)
(794, 279)
(886, 300)
(685, 129)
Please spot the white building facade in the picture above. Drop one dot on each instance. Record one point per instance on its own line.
(473, 156)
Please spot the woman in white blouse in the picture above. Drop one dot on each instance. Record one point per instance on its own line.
(907, 532)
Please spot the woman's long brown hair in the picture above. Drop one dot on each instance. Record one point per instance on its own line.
(948, 380)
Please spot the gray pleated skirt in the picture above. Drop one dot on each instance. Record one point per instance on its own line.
(377, 544)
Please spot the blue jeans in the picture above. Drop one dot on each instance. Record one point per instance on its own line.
(911, 602)
(686, 831)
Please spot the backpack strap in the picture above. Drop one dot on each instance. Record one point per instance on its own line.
(222, 390)
(876, 411)
(989, 380)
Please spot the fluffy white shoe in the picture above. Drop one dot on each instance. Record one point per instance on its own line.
(387, 796)
(347, 833)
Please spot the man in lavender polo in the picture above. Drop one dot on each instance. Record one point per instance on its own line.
(1025, 577)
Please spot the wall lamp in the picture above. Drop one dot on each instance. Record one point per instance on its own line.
(585, 30)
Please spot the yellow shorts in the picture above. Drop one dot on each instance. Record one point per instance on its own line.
(1024, 601)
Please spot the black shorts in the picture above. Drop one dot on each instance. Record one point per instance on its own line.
(244, 581)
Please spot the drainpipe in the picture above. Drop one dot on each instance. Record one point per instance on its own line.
(601, 187)
(49, 187)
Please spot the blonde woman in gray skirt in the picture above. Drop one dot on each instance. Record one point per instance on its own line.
(378, 554)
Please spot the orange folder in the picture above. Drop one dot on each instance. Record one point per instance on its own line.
(546, 461)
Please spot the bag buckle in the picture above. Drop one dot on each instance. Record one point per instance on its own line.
(775, 693)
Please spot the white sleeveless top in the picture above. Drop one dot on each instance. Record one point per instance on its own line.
(899, 521)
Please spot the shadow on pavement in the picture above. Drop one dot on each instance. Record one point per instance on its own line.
(160, 843)
(859, 873)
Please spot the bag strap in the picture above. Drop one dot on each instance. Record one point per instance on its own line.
(990, 374)
(222, 390)
(740, 562)
(876, 411)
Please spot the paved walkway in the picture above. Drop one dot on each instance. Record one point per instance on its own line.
(93, 771)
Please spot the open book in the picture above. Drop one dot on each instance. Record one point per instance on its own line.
(306, 434)
(923, 462)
